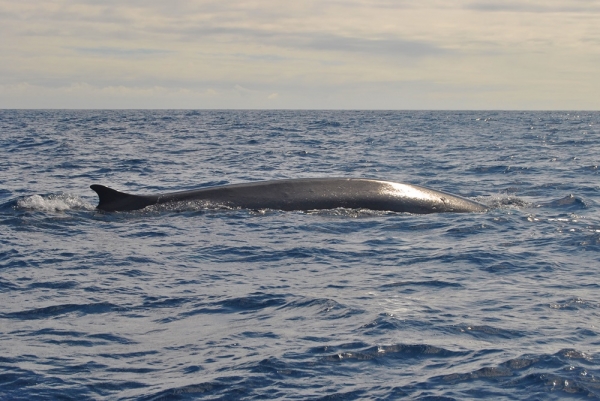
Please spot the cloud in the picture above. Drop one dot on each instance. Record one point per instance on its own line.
(388, 47)
(119, 52)
(243, 91)
(82, 95)
(151, 51)
(574, 6)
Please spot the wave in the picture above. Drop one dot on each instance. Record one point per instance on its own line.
(504, 202)
(565, 374)
(53, 203)
(62, 309)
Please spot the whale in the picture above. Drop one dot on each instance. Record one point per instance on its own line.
(304, 194)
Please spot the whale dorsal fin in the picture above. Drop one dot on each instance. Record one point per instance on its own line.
(112, 200)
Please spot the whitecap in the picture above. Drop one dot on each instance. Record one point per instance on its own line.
(54, 203)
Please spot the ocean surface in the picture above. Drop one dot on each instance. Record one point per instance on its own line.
(180, 302)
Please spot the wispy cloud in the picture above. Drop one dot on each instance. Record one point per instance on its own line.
(119, 52)
(389, 47)
(550, 6)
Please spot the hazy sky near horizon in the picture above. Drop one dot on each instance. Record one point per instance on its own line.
(306, 54)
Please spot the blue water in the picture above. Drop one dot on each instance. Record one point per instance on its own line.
(180, 302)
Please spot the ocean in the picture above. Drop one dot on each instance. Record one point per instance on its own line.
(182, 302)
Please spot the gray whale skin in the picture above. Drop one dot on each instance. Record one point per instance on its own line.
(302, 194)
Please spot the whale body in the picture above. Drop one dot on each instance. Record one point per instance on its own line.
(302, 195)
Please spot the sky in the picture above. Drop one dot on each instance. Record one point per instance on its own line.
(301, 54)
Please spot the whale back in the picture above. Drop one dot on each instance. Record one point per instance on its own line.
(303, 194)
(112, 200)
